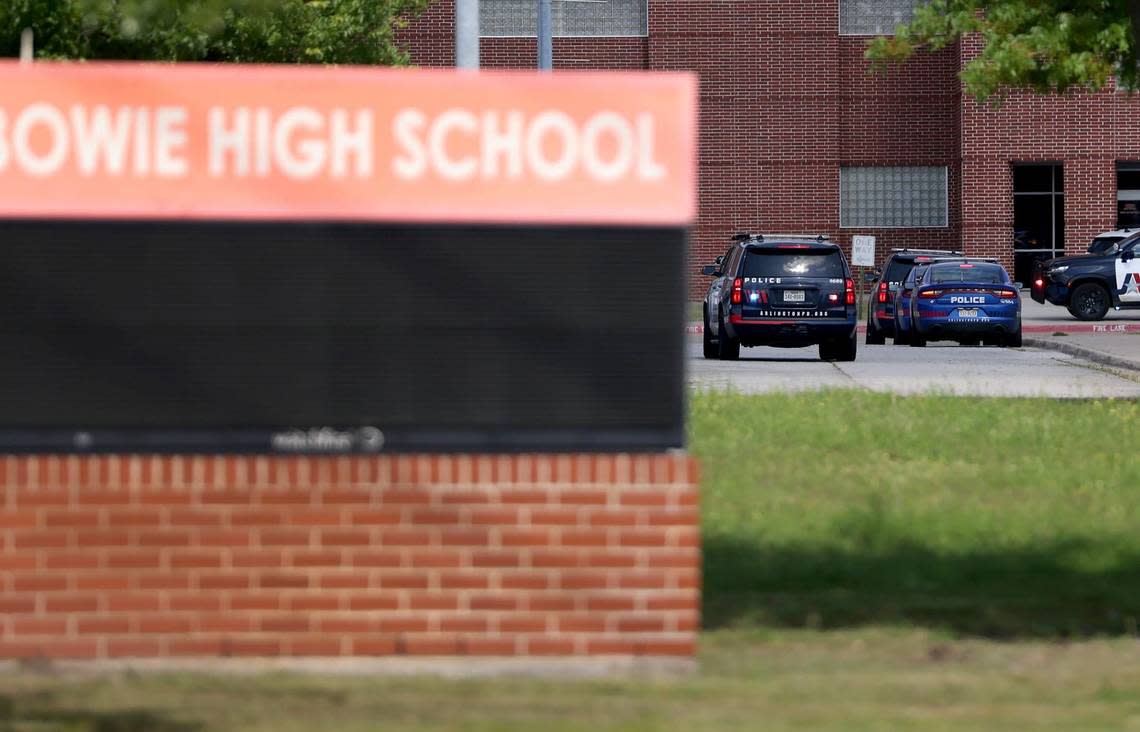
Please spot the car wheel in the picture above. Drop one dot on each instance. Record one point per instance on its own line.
(901, 336)
(1013, 340)
(728, 349)
(875, 336)
(1089, 301)
(844, 350)
(710, 344)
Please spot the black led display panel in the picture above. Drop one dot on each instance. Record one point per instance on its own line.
(326, 337)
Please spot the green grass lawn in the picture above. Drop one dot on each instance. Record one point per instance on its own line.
(995, 517)
(872, 563)
(750, 680)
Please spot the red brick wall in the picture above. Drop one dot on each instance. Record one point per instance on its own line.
(1087, 132)
(532, 555)
(785, 101)
(903, 115)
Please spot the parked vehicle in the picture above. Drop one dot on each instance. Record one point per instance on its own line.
(902, 305)
(885, 285)
(970, 301)
(783, 291)
(1089, 284)
(1110, 241)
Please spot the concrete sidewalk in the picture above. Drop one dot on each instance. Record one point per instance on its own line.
(1046, 318)
(1112, 342)
(1117, 350)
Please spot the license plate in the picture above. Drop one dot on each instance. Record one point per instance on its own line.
(967, 313)
(794, 296)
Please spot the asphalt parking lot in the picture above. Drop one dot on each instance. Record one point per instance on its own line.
(945, 368)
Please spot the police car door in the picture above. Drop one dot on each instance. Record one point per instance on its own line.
(720, 289)
(1128, 275)
(716, 289)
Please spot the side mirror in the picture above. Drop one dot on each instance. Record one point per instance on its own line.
(1128, 255)
(710, 270)
(719, 260)
(870, 277)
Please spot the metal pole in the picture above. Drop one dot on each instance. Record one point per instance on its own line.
(545, 36)
(466, 34)
(27, 50)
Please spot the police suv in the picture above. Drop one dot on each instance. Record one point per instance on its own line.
(1089, 284)
(886, 284)
(780, 290)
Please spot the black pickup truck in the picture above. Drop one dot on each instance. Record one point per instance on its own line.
(1089, 284)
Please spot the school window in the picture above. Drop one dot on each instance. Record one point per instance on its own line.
(570, 17)
(893, 197)
(874, 17)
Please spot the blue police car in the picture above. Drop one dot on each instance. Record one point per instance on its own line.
(968, 301)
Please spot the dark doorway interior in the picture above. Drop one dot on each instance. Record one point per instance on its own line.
(1128, 195)
(1038, 215)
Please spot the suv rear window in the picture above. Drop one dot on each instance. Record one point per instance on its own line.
(897, 271)
(793, 263)
(984, 274)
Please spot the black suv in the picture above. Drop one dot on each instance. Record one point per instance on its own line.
(780, 291)
(1089, 284)
(885, 286)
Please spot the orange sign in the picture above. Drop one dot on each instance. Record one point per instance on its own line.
(259, 142)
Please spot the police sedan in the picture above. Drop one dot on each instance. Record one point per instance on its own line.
(969, 302)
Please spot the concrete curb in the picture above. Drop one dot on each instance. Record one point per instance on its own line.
(1089, 354)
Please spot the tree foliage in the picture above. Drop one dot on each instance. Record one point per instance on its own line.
(261, 31)
(1046, 45)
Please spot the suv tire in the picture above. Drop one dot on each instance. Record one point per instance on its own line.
(844, 350)
(1089, 301)
(727, 349)
(709, 343)
(1013, 340)
(875, 336)
(901, 336)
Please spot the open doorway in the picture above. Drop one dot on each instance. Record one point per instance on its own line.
(1038, 215)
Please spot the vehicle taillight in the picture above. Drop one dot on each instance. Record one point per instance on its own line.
(883, 294)
(1006, 293)
(737, 294)
(931, 294)
(850, 292)
(1039, 283)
